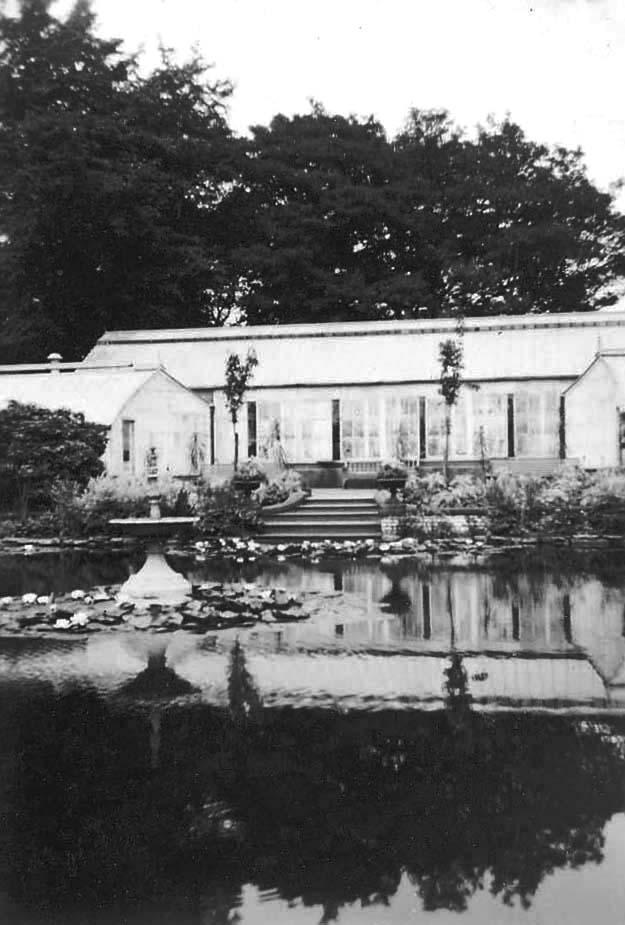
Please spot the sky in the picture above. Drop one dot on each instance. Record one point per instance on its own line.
(556, 66)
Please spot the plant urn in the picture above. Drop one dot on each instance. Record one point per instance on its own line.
(392, 483)
(247, 485)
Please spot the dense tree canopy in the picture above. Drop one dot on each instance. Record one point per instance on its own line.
(39, 447)
(126, 201)
(106, 184)
(345, 224)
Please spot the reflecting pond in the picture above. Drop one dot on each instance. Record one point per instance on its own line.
(439, 741)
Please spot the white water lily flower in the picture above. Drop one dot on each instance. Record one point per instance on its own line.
(62, 624)
(29, 598)
(5, 601)
(44, 599)
(281, 558)
(28, 547)
(77, 595)
(81, 618)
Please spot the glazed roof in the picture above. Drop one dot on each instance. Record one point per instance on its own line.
(497, 348)
(98, 394)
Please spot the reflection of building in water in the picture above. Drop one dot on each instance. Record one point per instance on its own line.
(527, 613)
(524, 641)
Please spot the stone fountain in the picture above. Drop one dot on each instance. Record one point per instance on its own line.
(156, 581)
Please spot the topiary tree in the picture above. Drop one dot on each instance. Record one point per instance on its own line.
(451, 361)
(39, 447)
(238, 377)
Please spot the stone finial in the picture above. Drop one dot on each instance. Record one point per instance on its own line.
(54, 359)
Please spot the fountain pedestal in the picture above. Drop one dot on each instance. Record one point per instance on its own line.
(156, 581)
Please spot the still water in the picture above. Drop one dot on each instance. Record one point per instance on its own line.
(438, 745)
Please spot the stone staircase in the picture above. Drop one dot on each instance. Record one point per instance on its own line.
(331, 513)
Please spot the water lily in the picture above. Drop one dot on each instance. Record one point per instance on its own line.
(62, 624)
(29, 598)
(44, 599)
(28, 548)
(77, 595)
(81, 618)
(5, 601)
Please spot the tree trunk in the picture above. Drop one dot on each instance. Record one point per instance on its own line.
(236, 448)
(23, 498)
(447, 435)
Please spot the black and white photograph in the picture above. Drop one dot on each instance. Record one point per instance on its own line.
(312, 462)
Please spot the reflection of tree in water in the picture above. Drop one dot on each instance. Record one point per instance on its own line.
(456, 694)
(339, 809)
(243, 697)
(396, 600)
(326, 808)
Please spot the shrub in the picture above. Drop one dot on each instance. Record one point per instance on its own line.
(603, 503)
(108, 497)
(432, 493)
(513, 503)
(250, 469)
(223, 511)
(561, 498)
(280, 489)
(40, 524)
(436, 528)
(392, 469)
(38, 447)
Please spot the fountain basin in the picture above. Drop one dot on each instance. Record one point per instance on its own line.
(163, 527)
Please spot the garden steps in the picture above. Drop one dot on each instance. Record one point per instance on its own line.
(328, 514)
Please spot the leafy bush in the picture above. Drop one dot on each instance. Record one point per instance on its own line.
(39, 524)
(435, 528)
(603, 503)
(513, 503)
(561, 497)
(432, 493)
(107, 497)
(392, 469)
(223, 511)
(280, 489)
(38, 447)
(250, 469)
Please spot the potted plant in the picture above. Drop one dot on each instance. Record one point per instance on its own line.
(392, 476)
(249, 475)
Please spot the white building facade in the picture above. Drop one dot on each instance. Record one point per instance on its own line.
(351, 394)
(156, 425)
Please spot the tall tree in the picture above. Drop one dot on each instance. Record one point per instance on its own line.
(107, 184)
(239, 374)
(338, 223)
(450, 354)
(311, 215)
(520, 226)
